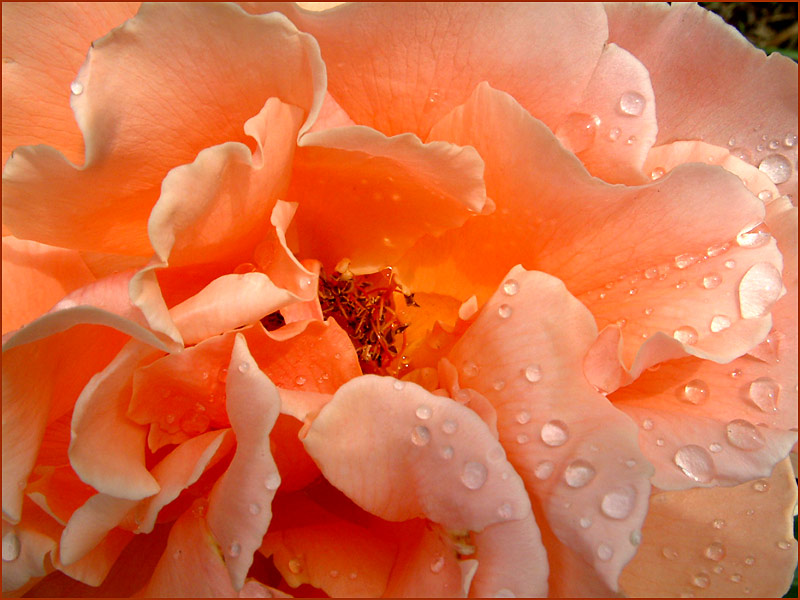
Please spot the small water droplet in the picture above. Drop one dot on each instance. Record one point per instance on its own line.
(719, 323)
(522, 438)
(784, 545)
(750, 561)
(659, 442)
(235, 549)
(760, 287)
(701, 580)
(420, 435)
(447, 452)
(470, 369)
(718, 523)
(647, 424)
(533, 373)
(715, 551)
(736, 577)
(718, 569)
(686, 335)
(630, 140)
(398, 385)
(295, 566)
(765, 195)
(742, 154)
(753, 238)
(504, 593)
(243, 367)
(273, 481)
(423, 412)
(76, 88)
(353, 575)
(585, 522)
(774, 145)
(437, 564)
(711, 281)
(744, 435)
(657, 173)
(760, 148)
(579, 473)
(790, 141)
(449, 426)
(195, 422)
(695, 462)
(635, 537)
(630, 463)
(713, 251)
(669, 553)
(631, 104)
(695, 392)
(577, 131)
(651, 273)
(613, 134)
(523, 417)
(618, 503)
(170, 419)
(777, 167)
(544, 469)
(764, 393)
(334, 573)
(474, 475)
(498, 385)
(504, 511)
(715, 447)
(505, 311)
(683, 261)
(605, 552)
(511, 287)
(633, 291)
(555, 433)
(300, 380)
(681, 284)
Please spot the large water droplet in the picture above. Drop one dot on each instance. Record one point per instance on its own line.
(719, 323)
(533, 373)
(695, 392)
(619, 502)
(555, 433)
(420, 435)
(631, 104)
(423, 412)
(474, 475)
(715, 551)
(760, 287)
(577, 131)
(11, 546)
(578, 473)
(686, 335)
(764, 393)
(777, 167)
(544, 469)
(696, 463)
(744, 435)
(511, 287)
(605, 552)
(711, 281)
(505, 311)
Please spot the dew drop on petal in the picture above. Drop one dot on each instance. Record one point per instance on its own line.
(544, 469)
(744, 435)
(695, 392)
(765, 195)
(736, 577)
(470, 369)
(657, 173)
(577, 132)
(523, 417)
(522, 438)
(715, 447)
(715, 551)
(605, 552)
(718, 523)
(273, 481)
(760, 287)
(420, 435)
(533, 373)
(423, 412)
(449, 426)
(11, 546)
(669, 553)
(511, 287)
(659, 442)
(750, 561)
(437, 564)
(651, 273)
(498, 385)
(585, 522)
(505, 311)
(447, 452)
(235, 549)
(398, 385)
(742, 154)
(295, 566)
(504, 593)
(555, 433)
(777, 167)
(711, 281)
(474, 475)
(730, 264)
(631, 104)
(76, 88)
(764, 393)
(635, 537)
(647, 424)
(300, 380)
(719, 323)
(784, 544)
(752, 238)
(686, 335)
(254, 509)
(614, 134)
(504, 511)
(713, 251)
(618, 503)
(682, 261)
(579, 473)
(695, 462)
(701, 580)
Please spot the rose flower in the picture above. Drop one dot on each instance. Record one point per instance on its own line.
(396, 300)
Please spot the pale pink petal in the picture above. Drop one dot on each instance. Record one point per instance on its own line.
(93, 567)
(413, 454)
(578, 456)
(107, 448)
(385, 188)
(254, 589)
(753, 104)
(44, 45)
(35, 277)
(191, 549)
(168, 69)
(718, 542)
(432, 56)
(239, 509)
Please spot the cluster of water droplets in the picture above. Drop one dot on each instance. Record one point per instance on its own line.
(769, 155)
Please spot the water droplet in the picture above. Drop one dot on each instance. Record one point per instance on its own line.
(437, 564)
(11, 546)
(273, 481)
(544, 469)
(496, 454)
(511, 287)
(470, 369)
(222, 375)
(505, 311)
(719, 323)
(686, 335)
(669, 553)
(254, 509)
(605, 552)
(533, 373)
(784, 545)
(235, 549)
(659, 442)
(295, 566)
(750, 512)
(648, 311)
(657, 173)
(790, 141)
(577, 131)
(449, 426)
(585, 522)
(398, 385)
(243, 367)
(681, 284)
(682, 261)
(630, 140)
(736, 577)
(718, 569)
(647, 424)
(696, 463)
(579, 473)
(742, 154)
(630, 463)
(353, 575)
(715, 551)
(423, 412)
(618, 503)
(750, 561)
(701, 580)
(334, 573)
(711, 281)
(300, 380)
(753, 238)
(447, 452)
(498, 385)
(713, 251)
(764, 393)
(631, 104)
(760, 287)
(504, 511)
(732, 141)
(555, 433)
(635, 537)
(633, 291)
(195, 422)
(420, 435)
(474, 475)
(523, 417)
(777, 167)
(522, 438)
(765, 195)
(718, 523)
(613, 134)
(760, 148)
(76, 88)
(170, 419)
(744, 435)
(305, 282)
(695, 392)
(715, 447)
(774, 145)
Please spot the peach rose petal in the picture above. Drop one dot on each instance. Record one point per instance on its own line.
(37, 73)
(331, 116)
(614, 125)
(59, 492)
(255, 589)
(29, 543)
(178, 82)
(94, 567)
(107, 448)
(430, 457)
(432, 56)
(35, 277)
(89, 524)
(696, 39)
(239, 508)
(384, 189)
(578, 456)
(702, 541)
(191, 549)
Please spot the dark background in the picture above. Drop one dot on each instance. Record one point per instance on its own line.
(772, 26)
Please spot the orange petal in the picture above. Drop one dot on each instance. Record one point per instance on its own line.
(239, 508)
(718, 542)
(759, 85)
(43, 48)
(178, 107)
(25, 549)
(35, 277)
(331, 115)
(93, 568)
(414, 454)
(578, 456)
